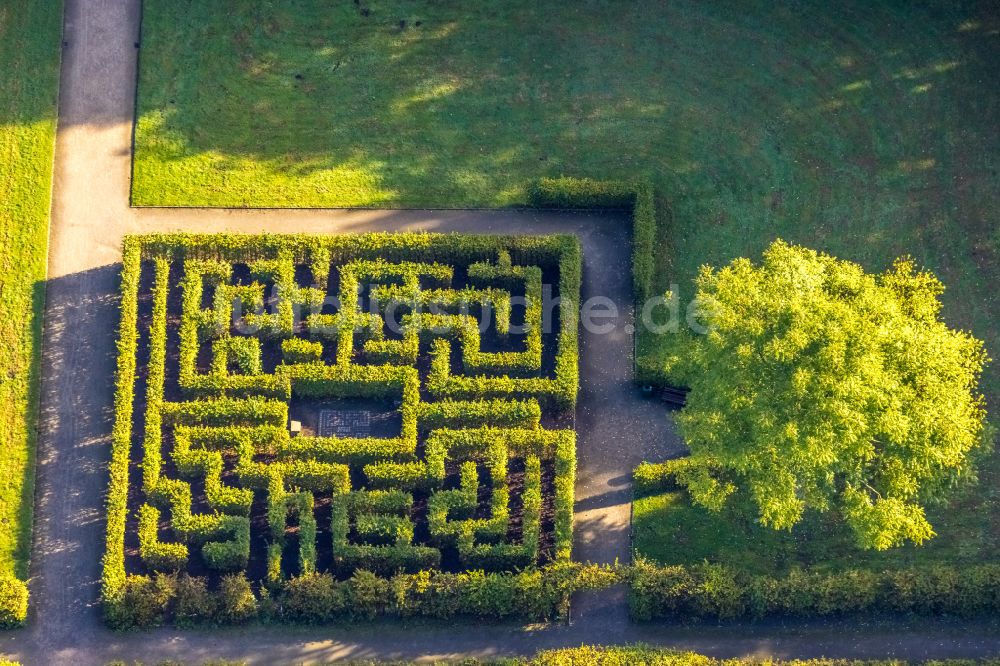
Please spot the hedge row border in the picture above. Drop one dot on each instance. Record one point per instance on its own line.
(638, 197)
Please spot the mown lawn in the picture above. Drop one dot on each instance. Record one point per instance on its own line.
(29, 80)
(669, 529)
(866, 131)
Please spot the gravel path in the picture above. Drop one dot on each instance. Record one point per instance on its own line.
(617, 428)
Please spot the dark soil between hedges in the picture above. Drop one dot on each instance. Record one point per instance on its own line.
(271, 356)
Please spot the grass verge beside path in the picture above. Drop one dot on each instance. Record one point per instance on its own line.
(29, 83)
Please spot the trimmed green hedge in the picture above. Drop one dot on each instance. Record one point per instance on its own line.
(113, 578)
(649, 478)
(636, 196)
(717, 592)
(313, 598)
(582, 193)
(496, 413)
(30, 35)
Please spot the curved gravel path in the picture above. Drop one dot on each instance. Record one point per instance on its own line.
(616, 427)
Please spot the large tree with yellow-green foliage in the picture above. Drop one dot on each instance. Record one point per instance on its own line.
(821, 387)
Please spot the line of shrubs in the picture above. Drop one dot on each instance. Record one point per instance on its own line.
(636, 654)
(496, 413)
(639, 198)
(717, 592)
(531, 594)
(675, 593)
(280, 504)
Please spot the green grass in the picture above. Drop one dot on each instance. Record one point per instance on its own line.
(669, 529)
(29, 81)
(866, 131)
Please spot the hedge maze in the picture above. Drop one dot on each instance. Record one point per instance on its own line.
(461, 349)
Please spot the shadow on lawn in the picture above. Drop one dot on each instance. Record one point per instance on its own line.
(863, 130)
(416, 92)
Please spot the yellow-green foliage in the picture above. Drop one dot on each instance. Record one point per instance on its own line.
(645, 655)
(722, 592)
(820, 386)
(248, 412)
(29, 79)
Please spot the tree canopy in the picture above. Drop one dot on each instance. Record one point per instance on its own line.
(821, 387)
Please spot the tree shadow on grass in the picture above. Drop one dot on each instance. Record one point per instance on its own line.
(422, 94)
(858, 129)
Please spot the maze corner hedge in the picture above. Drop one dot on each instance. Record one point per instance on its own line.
(304, 423)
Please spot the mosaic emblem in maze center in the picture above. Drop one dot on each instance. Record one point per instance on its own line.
(454, 354)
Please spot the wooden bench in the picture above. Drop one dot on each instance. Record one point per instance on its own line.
(676, 396)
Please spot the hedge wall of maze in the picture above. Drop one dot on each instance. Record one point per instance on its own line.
(223, 337)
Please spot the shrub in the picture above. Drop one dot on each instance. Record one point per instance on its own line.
(297, 350)
(366, 594)
(234, 553)
(314, 598)
(141, 602)
(719, 592)
(236, 602)
(155, 554)
(193, 603)
(649, 478)
(13, 601)
(581, 193)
